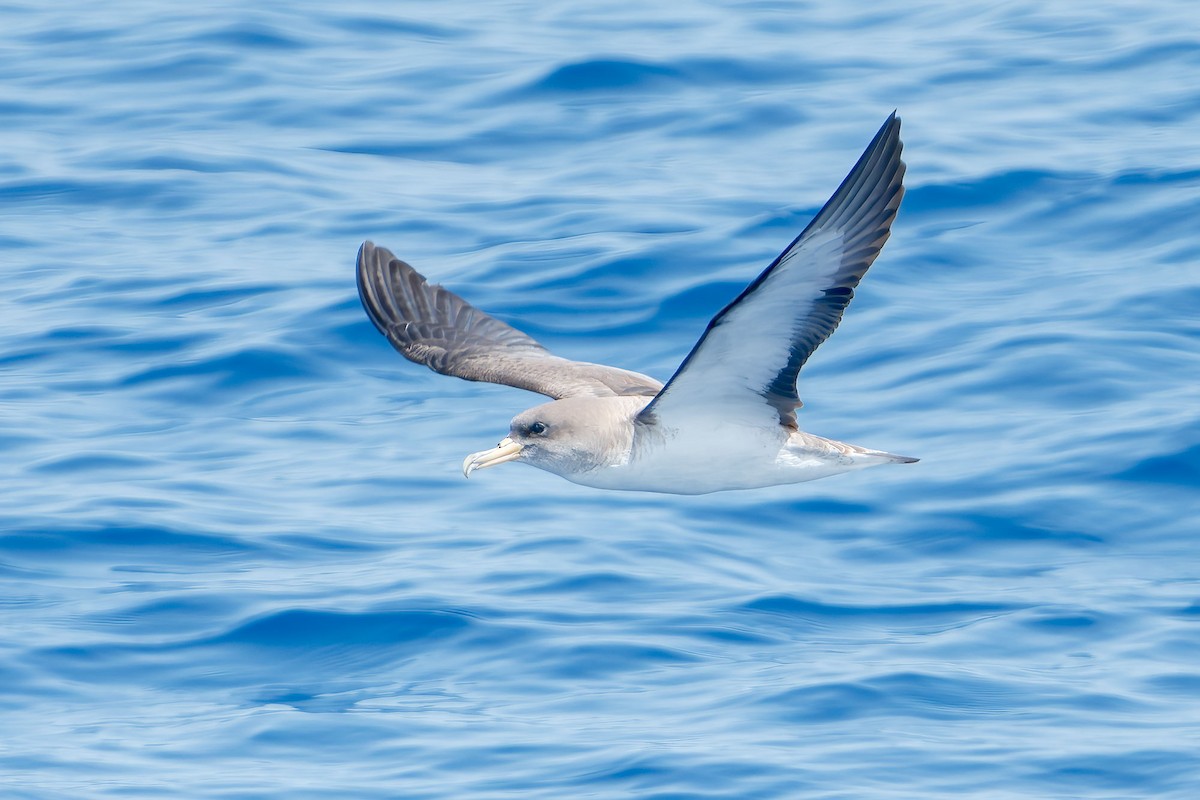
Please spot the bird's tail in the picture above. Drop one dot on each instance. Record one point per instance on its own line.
(869, 457)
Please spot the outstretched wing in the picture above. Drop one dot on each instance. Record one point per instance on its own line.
(437, 328)
(746, 363)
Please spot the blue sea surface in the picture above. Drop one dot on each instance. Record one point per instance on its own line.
(238, 558)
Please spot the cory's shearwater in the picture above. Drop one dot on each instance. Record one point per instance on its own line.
(726, 419)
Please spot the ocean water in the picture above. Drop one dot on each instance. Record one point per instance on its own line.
(238, 559)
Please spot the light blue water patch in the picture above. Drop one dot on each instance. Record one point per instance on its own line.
(239, 559)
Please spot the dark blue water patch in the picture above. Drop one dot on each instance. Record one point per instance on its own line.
(311, 628)
(675, 773)
(945, 533)
(61, 31)
(599, 584)
(332, 696)
(17, 111)
(473, 150)
(292, 698)
(622, 76)
(168, 615)
(1133, 773)
(601, 75)
(90, 663)
(176, 67)
(914, 694)
(984, 76)
(1073, 623)
(931, 696)
(10, 242)
(989, 191)
(1157, 178)
(1161, 115)
(1055, 622)
(800, 608)
(15, 359)
(248, 36)
(596, 660)
(250, 368)
(93, 462)
(1184, 685)
(347, 543)
(607, 277)
(752, 69)
(786, 514)
(1190, 611)
(350, 336)
(1179, 468)
(14, 678)
(121, 192)
(791, 616)
(542, 207)
(1079, 628)
(86, 543)
(120, 290)
(384, 227)
(762, 116)
(83, 333)
(313, 645)
(143, 344)
(98, 342)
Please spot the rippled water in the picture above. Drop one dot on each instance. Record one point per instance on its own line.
(238, 558)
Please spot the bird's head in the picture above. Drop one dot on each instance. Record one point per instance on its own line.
(566, 437)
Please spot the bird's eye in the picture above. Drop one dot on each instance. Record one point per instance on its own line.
(537, 428)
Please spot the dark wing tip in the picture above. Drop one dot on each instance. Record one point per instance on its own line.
(431, 325)
(393, 293)
(872, 188)
(373, 288)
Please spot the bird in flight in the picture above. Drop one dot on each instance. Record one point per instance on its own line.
(726, 419)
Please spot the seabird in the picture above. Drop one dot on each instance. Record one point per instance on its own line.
(726, 419)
